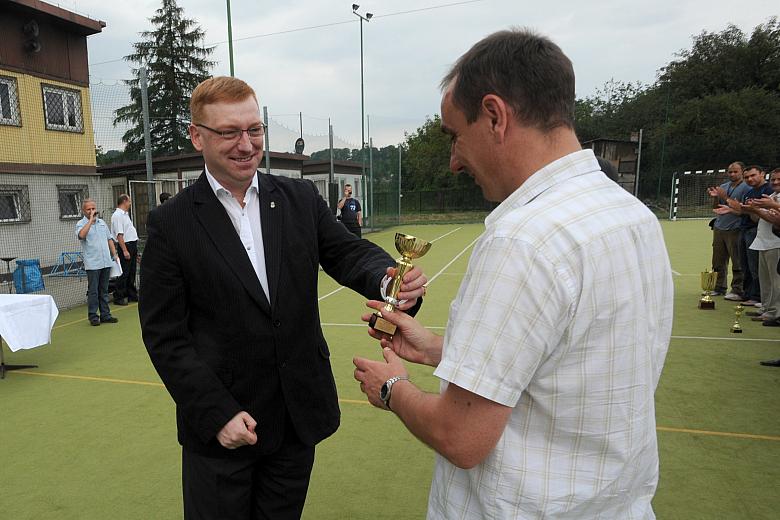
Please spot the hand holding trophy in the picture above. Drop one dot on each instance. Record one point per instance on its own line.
(410, 248)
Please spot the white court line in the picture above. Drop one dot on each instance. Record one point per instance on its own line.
(730, 338)
(429, 281)
(444, 235)
(673, 337)
(363, 325)
(675, 273)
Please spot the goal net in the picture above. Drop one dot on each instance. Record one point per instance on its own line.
(689, 198)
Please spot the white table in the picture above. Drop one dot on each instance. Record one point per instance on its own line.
(26, 321)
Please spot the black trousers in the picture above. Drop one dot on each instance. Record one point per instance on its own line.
(125, 284)
(262, 487)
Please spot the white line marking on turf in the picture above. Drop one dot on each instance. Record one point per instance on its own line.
(363, 325)
(730, 338)
(675, 273)
(430, 281)
(444, 235)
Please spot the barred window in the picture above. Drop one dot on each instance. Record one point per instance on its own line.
(63, 109)
(71, 197)
(14, 204)
(9, 102)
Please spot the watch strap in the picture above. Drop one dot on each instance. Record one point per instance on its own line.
(389, 384)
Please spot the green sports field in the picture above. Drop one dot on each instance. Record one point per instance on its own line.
(90, 434)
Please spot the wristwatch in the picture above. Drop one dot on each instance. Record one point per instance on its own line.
(387, 388)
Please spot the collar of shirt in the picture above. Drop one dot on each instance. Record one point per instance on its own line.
(559, 171)
(216, 187)
(122, 212)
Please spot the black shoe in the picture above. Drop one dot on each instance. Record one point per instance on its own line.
(771, 363)
(122, 302)
(753, 313)
(94, 322)
(771, 323)
(109, 320)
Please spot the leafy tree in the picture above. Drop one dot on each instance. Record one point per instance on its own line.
(176, 62)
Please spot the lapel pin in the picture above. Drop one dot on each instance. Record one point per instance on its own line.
(273, 204)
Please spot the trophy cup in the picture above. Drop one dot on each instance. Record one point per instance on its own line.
(708, 279)
(737, 328)
(410, 248)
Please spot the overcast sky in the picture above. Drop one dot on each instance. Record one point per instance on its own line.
(408, 47)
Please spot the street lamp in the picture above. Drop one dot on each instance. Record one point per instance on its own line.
(365, 18)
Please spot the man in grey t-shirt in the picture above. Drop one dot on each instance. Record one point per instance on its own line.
(725, 234)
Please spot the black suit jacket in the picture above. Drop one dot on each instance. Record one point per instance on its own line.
(216, 341)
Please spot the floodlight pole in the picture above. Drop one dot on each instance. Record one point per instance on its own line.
(370, 212)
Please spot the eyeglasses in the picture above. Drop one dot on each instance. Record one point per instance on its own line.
(234, 135)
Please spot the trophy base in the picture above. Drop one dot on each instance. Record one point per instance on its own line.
(736, 331)
(706, 305)
(377, 322)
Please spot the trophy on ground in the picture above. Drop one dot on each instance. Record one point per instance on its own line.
(708, 279)
(737, 328)
(410, 248)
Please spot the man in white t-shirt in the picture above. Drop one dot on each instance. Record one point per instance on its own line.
(768, 246)
(556, 339)
(127, 239)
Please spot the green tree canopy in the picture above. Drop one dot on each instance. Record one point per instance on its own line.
(176, 62)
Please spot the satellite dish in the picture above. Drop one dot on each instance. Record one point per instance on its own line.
(299, 144)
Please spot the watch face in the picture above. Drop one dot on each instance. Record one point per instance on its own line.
(383, 393)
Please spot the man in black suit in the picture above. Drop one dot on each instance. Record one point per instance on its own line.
(230, 319)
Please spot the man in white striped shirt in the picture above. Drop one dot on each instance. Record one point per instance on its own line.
(557, 337)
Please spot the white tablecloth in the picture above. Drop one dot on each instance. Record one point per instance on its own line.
(26, 319)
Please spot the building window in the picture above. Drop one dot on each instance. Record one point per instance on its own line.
(14, 204)
(9, 102)
(71, 197)
(63, 109)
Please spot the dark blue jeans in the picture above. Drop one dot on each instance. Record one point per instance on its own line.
(97, 293)
(751, 285)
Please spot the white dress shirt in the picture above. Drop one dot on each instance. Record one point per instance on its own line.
(121, 224)
(246, 221)
(765, 238)
(564, 315)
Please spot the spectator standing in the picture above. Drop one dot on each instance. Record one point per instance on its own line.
(351, 214)
(768, 246)
(725, 235)
(127, 238)
(99, 254)
(753, 176)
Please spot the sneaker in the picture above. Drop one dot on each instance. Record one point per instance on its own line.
(110, 319)
(758, 304)
(717, 293)
(94, 322)
(750, 303)
(733, 297)
(752, 313)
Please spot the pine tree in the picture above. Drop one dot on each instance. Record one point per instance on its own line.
(176, 62)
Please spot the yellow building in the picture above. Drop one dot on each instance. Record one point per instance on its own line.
(47, 145)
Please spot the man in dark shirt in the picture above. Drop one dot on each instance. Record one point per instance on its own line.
(351, 214)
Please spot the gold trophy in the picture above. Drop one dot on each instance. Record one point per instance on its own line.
(410, 248)
(737, 328)
(708, 279)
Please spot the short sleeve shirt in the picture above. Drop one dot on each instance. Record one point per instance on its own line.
(730, 221)
(350, 210)
(564, 315)
(95, 249)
